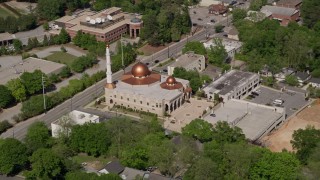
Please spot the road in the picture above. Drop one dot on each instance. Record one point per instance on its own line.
(90, 94)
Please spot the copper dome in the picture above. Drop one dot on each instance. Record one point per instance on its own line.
(171, 80)
(140, 70)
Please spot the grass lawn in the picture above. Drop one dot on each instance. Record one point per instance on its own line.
(4, 12)
(61, 57)
(97, 163)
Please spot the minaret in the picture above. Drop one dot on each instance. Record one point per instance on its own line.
(109, 84)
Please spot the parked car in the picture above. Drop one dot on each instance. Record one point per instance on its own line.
(156, 61)
(255, 93)
(212, 20)
(165, 70)
(212, 115)
(199, 19)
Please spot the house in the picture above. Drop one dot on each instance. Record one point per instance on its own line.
(284, 73)
(302, 77)
(233, 34)
(283, 14)
(256, 16)
(315, 82)
(189, 61)
(296, 4)
(6, 39)
(63, 125)
(112, 167)
(217, 9)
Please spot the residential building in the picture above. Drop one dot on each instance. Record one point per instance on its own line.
(64, 124)
(232, 85)
(113, 167)
(255, 120)
(296, 4)
(107, 25)
(233, 34)
(217, 9)
(256, 16)
(302, 77)
(189, 61)
(283, 14)
(6, 39)
(232, 47)
(284, 73)
(315, 82)
(143, 90)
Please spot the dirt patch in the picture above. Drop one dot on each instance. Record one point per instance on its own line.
(149, 50)
(280, 139)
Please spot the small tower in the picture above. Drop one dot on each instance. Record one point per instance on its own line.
(109, 84)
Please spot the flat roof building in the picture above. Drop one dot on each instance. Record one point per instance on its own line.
(62, 125)
(189, 61)
(107, 25)
(6, 39)
(232, 85)
(289, 3)
(231, 46)
(29, 65)
(255, 120)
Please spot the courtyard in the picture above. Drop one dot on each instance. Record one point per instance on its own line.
(186, 113)
(293, 101)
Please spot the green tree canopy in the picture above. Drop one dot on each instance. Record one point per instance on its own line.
(46, 165)
(195, 46)
(310, 12)
(5, 96)
(304, 141)
(91, 138)
(223, 133)
(217, 54)
(292, 80)
(198, 129)
(13, 156)
(49, 9)
(17, 89)
(38, 136)
(276, 166)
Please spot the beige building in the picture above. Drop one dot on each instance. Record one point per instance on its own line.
(147, 91)
(107, 25)
(188, 61)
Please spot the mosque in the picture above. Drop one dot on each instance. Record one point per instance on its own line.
(144, 90)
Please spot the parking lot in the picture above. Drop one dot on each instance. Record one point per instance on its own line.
(293, 101)
(200, 16)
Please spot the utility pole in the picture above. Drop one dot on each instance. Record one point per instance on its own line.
(122, 51)
(43, 94)
(168, 52)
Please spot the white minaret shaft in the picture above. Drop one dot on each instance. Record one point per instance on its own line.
(108, 64)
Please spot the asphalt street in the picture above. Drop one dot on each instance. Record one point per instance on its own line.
(19, 130)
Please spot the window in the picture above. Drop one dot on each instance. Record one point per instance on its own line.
(156, 104)
(140, 102)
(128, 99)
(147, 104)
(121, 97)
(134, 100)
(115, 96)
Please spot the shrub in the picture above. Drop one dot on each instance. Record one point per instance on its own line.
(4, 125)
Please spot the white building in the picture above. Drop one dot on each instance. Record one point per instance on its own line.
(188, 61)
(255, 120)
(63, 125)
(143, 90)
(232, 47)
(232, 85)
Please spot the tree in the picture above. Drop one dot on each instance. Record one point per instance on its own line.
(198, 129)
(35, 105)
(276, 166)
(91, 138)
(204, 168)
(223, 133)
(64, 36)
(195, 84)
(310, 12)
(218, 28)
(5, 97)
(314, 162)
(304, 141)
(38, 136)
(65, 72)
(135, 158)
(33, 81)
(49, 9)
(195, 46)
(238, 14)
(17, 44)
(217, 54)
(46, 165)
(17, 89)
(13, 156)
(79, 175)
(45, 26)
(45, 41)
(291, 80)
(4, 125)
(255, 5)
